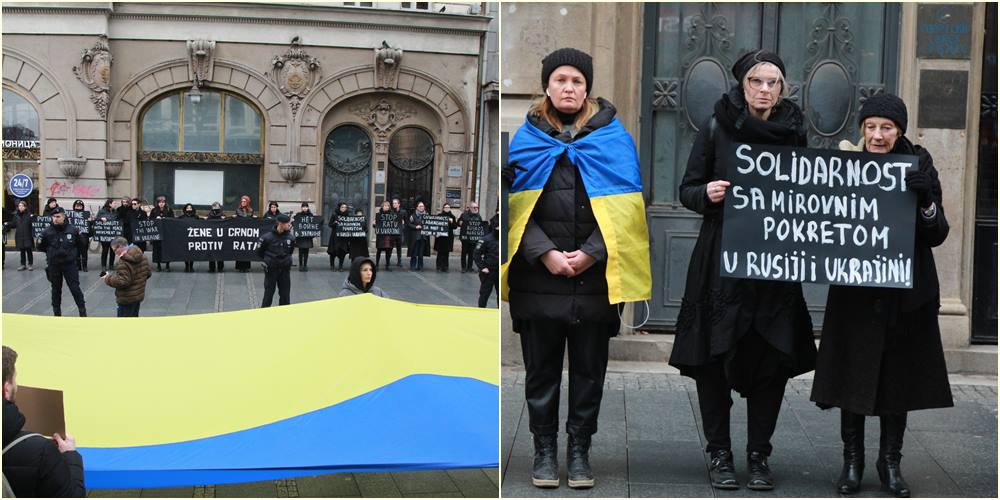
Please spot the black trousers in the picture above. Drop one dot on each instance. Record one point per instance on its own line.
(158, 253)
(468, 247)
(442, 261)
(56, 274)
(213, 264)
(378, 256)
(487, 283)
(303, 257)
(107, 255)
(81, 259)
(280, 278)
(763, 397)
(542, 345)
(398, 241)
(129, 310)
(27, 257)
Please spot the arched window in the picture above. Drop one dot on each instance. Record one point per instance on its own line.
(21, 145)
(20, 120)
(201, 150)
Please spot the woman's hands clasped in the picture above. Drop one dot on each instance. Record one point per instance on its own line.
(567, 264)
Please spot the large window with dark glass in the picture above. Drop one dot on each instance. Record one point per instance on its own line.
(20, 120)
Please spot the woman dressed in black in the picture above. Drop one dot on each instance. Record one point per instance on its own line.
(338, 248)
(444, 244)
(302, 243)
(160, 211)
(190, 213)
(750, 336)
(881, 352)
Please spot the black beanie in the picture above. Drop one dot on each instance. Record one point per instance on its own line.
(886, 106)
(751, 59)
(568, 57)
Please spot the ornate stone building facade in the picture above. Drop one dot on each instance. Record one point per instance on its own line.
(201, 102)
(664, 65)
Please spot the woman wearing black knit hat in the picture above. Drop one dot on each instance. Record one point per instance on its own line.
(558, 282)
(746, 335)
(881, 352)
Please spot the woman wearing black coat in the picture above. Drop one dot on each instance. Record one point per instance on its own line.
(106, 213)
(444, 244)
(338, 248)
(881, 351)
(358, 245)
(190, 213)
(160, 211)
(302, 243)
(50, 206)
(216, 214)
(130, 213)
(23, 237)
(750, 336)
(418, 241)
(81, 259)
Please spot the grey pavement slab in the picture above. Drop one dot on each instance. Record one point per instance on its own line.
(650, 443)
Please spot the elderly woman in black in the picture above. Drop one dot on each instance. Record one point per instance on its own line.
(750, 336)
(881, 352)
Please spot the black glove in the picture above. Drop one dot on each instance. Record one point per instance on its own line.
(920, 183)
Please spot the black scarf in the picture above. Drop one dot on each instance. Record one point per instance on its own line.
(783, 126)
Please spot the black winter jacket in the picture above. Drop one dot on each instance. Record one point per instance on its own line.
(20, 222)
(562, 220)
(62, 244)
(487, 252)
(34, 467)
(301, 242)
(276, 249)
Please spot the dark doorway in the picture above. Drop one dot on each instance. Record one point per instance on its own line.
(984, 266)
(411, 167)
(347, 163)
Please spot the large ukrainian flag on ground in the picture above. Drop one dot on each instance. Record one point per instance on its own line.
(609, 167)
(341, 385)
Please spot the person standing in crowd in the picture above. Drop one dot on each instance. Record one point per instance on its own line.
(398, 241)
(161, 211)
(337, 247)
(62, 245)
(129, 277)
(418, 241)
(216, 214)
(468, 246)
(444, 244)
(190, 213)
(24, 239)
(272, 211)
(361, 279)
(746, 335)
(384, 242)
(275, 248)
(244, 210)
(50, 207)
(107, 213)
(130, 213)
(81, 262)
(33, 465)
(303, 243)
(487, 255)
(880, 353)
(358, 245)
(563, 281)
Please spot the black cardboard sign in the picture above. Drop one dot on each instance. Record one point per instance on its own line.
(351, 226)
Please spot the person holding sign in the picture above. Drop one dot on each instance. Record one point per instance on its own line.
(275, 248)
(23, 235)
(190, 213)
(272, 212)
(402, 216)
(564, 281)
(216, 214)
(384, 242)
(880, 352)
(469, 218)
(418, 241)
(337, 247)
(105, 214)
(358, 245)
(62, 245)
(160, 211)
(50, 207)
(244, 210)
(746, 335)
(130, 213)
(444, 244)
(81, 263)
(303, 243)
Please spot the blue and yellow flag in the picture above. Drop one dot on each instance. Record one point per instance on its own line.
(609, 167)
(342, 385)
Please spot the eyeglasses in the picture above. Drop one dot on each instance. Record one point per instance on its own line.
(757, 83)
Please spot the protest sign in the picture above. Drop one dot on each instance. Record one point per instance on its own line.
(387, 224)
(146, 230)
(435, 225)
(306, 226)
(351, 226)
(235, 238)
(105, 231)
(473, 230)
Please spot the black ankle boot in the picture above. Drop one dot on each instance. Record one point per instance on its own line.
(760, 472)
(545, 469)
(722, 472)
(159, 267)
(578, 472)
(890, 455)
(83, 312)
(852, 433)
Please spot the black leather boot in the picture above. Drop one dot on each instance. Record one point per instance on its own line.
(545, 470)
(760, 472)
(83, 312)
(578, 472)
(159, 267)
(852, 433)
(722, 472)
(889, 455)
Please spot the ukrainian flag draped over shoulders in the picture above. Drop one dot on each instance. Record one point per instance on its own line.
(609, 166)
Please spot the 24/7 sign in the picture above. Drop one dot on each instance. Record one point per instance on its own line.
(20, 185)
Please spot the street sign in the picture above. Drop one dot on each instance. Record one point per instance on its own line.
(20, 185)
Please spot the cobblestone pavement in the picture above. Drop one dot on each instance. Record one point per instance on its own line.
(650, 443)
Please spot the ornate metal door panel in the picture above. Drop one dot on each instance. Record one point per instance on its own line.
(411, 168)
(347, 160)
(837, 52)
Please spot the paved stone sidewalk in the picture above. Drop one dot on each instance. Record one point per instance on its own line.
(650, 443)
(178, 292)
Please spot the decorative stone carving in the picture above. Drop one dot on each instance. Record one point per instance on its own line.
(387, 62)
(201, 61)
(292, 171)
(72, 167)
(111, 169)
(94, 71)
(382, 116)
(295, 73)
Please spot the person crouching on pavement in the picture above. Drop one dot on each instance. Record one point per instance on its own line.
(361, 279)
(129, 277)
(275, 248)
(487, 256)
(62, 245)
